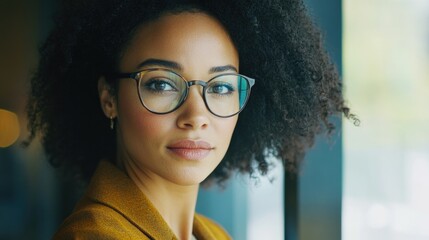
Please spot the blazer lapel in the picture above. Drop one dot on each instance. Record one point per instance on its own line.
(111, 187)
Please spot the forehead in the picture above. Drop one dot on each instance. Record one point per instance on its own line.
(195, 40)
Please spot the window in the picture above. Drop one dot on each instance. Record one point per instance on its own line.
(386, 159)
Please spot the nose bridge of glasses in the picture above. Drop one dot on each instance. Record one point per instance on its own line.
(196, 82)
(192, 83)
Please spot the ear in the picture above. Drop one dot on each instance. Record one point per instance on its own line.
(107, 100)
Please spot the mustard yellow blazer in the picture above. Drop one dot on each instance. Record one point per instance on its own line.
(114, 208)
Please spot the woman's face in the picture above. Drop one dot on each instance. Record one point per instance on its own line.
(186, 145)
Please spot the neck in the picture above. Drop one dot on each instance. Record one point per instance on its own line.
(175, 203)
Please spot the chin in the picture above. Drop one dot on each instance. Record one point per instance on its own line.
(189, 178)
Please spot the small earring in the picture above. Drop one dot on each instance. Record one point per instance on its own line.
(112, 123)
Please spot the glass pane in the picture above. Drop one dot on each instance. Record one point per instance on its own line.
(265, 206)
(386, 74)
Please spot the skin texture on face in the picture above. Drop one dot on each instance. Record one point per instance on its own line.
(197, 44)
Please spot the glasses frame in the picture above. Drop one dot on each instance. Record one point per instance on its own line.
(137, 76)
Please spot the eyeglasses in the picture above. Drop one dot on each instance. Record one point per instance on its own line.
(162, 91)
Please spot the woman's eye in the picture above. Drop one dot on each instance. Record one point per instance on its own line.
(159, 85)
(221, 88)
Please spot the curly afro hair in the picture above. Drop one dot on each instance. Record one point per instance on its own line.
(297, 86)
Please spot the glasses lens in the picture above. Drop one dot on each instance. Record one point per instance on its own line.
(161, 91)
(227, 94)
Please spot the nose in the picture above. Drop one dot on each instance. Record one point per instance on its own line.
(193, 114)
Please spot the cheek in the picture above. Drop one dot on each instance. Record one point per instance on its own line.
(230, 125)
(226, 128)
(136, 120)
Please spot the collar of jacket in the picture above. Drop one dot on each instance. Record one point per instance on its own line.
(113, 188)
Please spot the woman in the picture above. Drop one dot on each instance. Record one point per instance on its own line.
(146, 99)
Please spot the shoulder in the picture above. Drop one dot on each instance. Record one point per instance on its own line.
(97, 221)
(213, 227)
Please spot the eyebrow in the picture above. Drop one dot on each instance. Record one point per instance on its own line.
(162, 63)
(178, 67)
(223, 69)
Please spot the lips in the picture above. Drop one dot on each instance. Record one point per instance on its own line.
(190, 150)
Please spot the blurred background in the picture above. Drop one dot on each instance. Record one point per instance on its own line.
(368, 182)
(386, 159)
